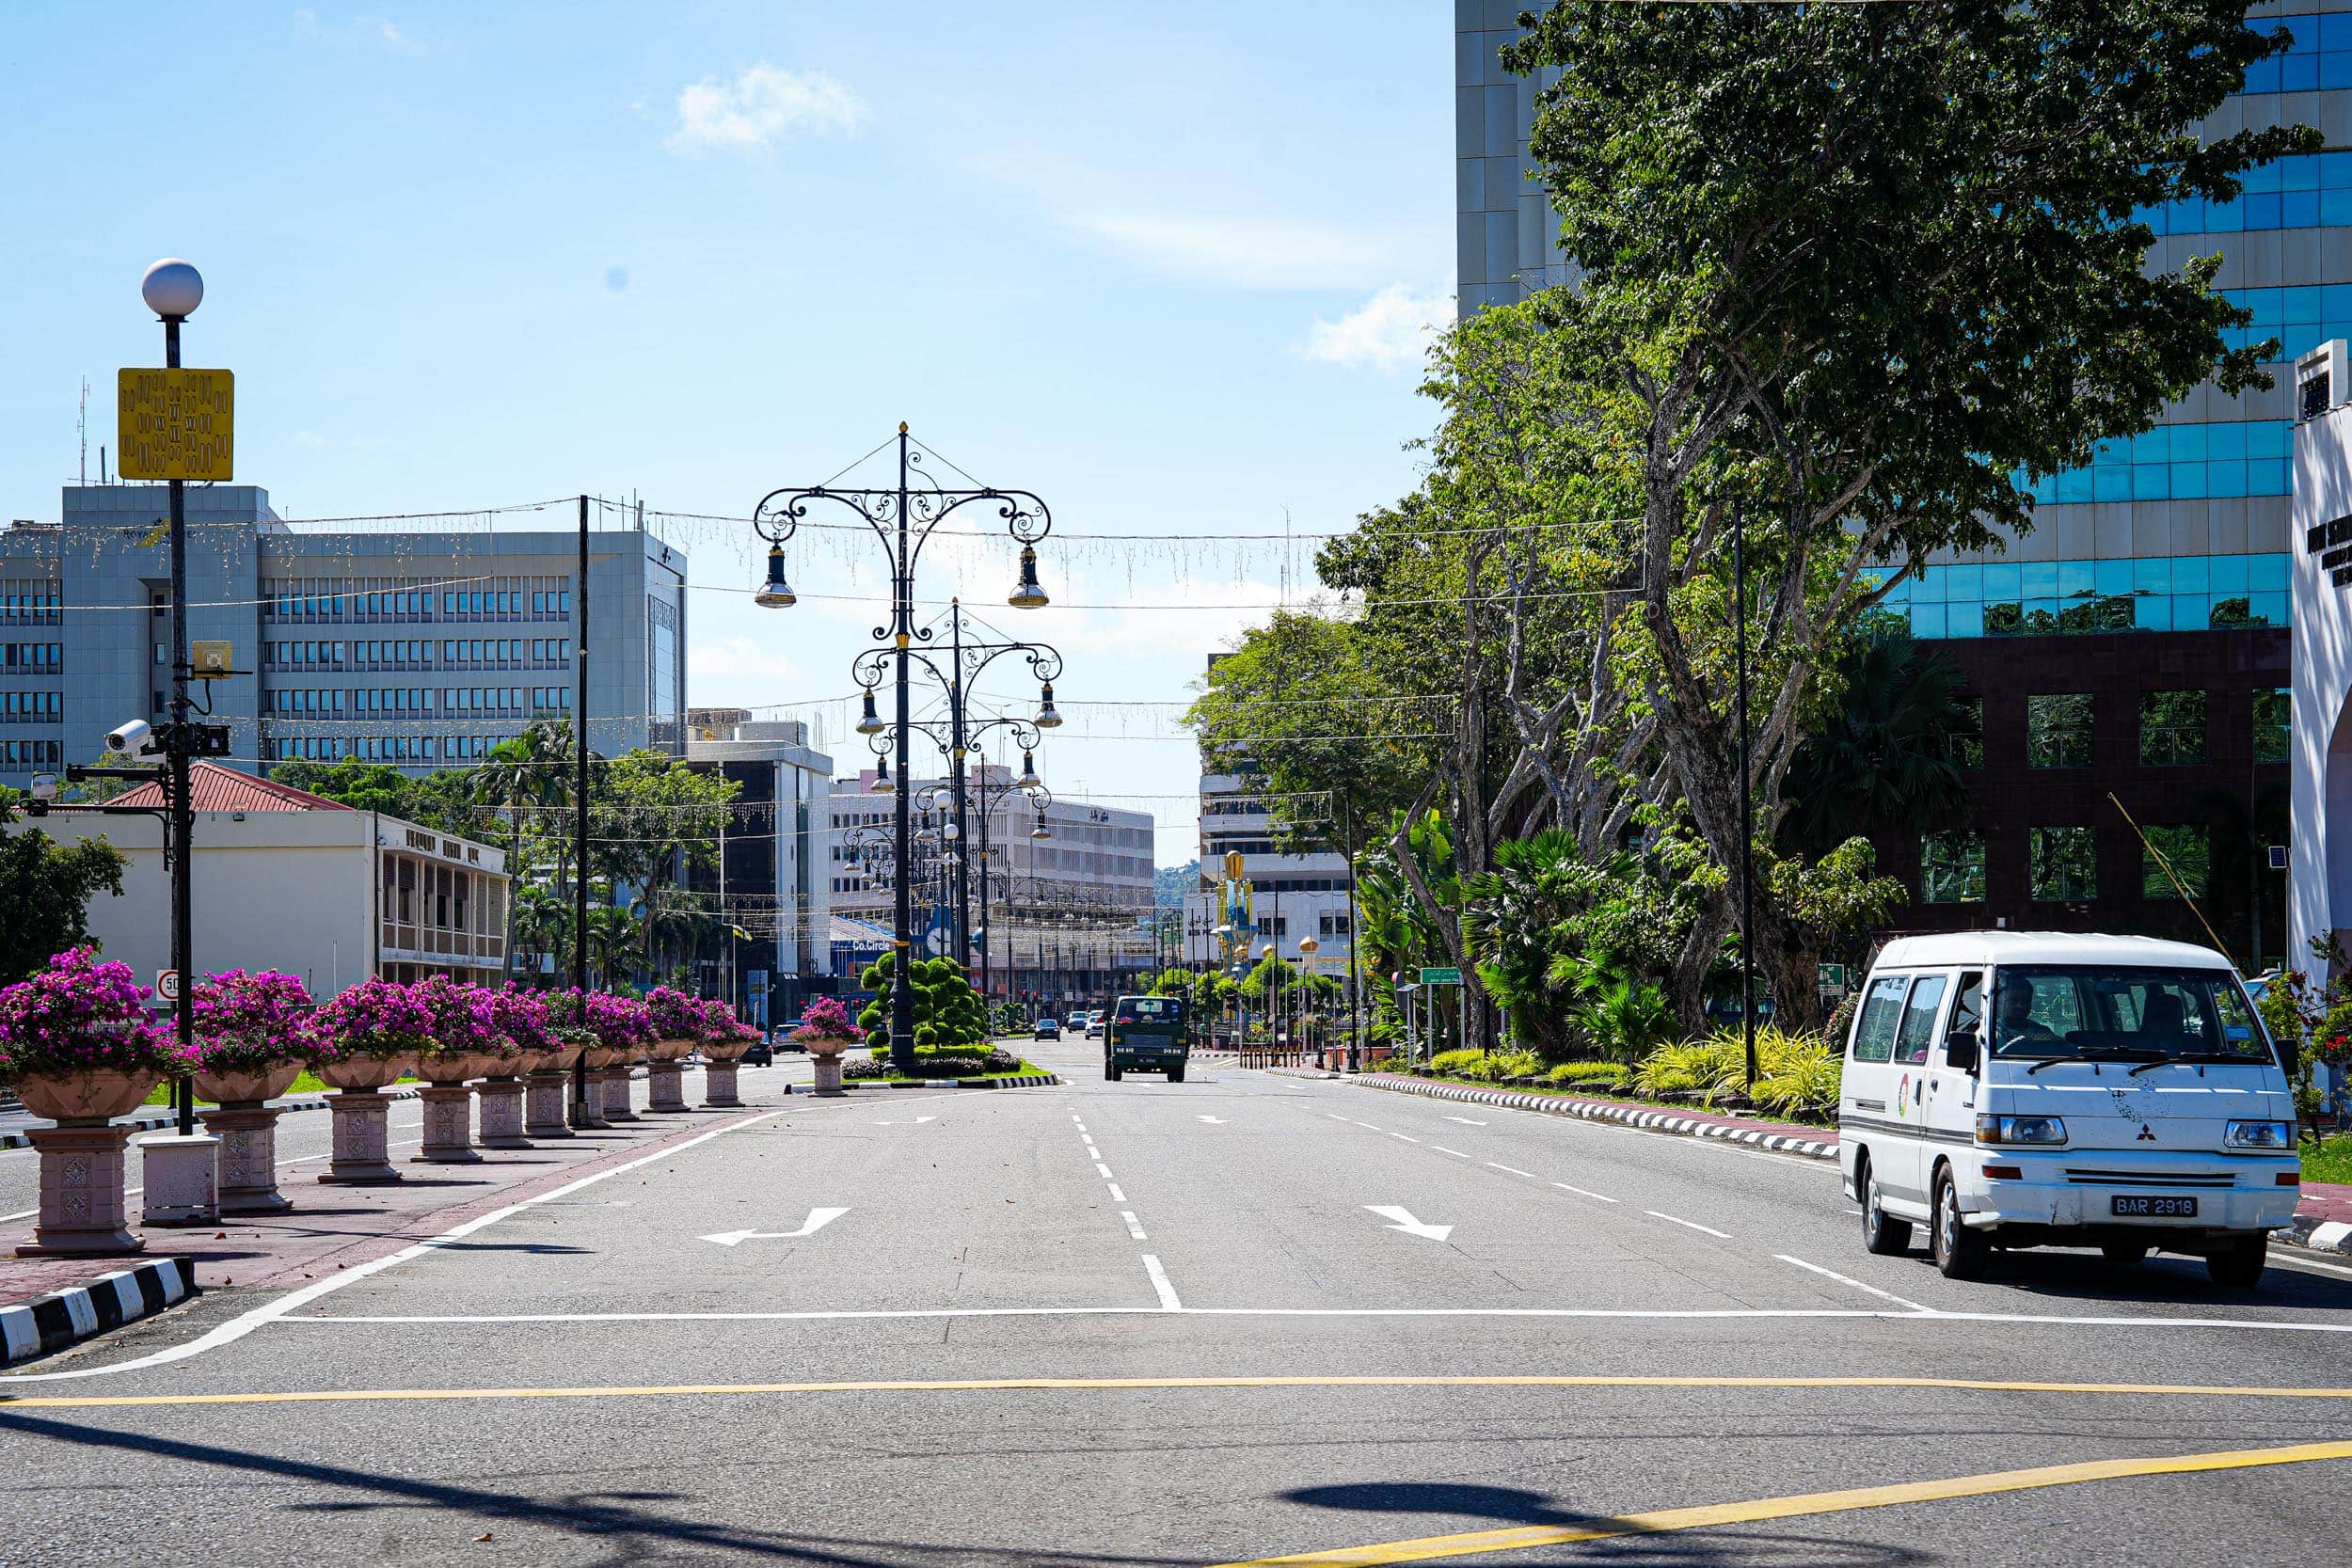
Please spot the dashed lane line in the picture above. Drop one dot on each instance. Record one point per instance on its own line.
(1676, 1219)
(1160, 1284)
(1670, 1521)
(1132, 1227)
(1118, 1194)
(1410, 1140)
(1441, 1149)
(1068, 1385)
(1580, 1191)
(1513, 1171)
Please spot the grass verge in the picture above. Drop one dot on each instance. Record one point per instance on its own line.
(306, 1082)
(2329, 1159)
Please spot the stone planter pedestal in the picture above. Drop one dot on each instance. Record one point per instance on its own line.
(448, 1127)
(247, 1131)
(828, 1075)
(182, 1178)
(616, 1089)
(82, 1205)
(542, 1105)
(361, 1143)
(665, 1087)
(718, 1093)
(502, 1113)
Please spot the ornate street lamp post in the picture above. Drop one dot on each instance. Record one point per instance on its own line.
(903, 517)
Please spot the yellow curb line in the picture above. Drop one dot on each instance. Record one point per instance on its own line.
(331, 1396)
(1669, 1520)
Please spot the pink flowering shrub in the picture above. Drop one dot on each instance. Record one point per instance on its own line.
(251, 1022)
(376, 1019)
(827, 1019)
(719, 1023)
(79, 1015)
(461, 1022)
(521, 1018)
(675, 1015)
(615, 1023)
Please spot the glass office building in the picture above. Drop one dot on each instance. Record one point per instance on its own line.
(2150, 602)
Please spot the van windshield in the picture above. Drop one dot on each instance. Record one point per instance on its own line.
(1149, 1009)
(2067, 1012)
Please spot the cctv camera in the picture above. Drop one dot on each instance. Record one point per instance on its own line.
(131, 738)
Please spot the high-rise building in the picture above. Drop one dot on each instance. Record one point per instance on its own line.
(420, 649)
(2134, 644)
(768, 890)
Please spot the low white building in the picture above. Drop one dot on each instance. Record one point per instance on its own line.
(288, 880)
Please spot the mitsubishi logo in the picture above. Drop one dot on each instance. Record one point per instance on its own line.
(2147, 1135)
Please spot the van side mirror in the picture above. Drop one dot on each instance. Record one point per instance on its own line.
(1959, 1050)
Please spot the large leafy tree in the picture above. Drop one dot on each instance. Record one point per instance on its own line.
(45, 889)
(1854, 269)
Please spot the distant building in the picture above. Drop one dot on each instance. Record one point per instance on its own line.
(419, 649)
(288, 880)
(769, 885)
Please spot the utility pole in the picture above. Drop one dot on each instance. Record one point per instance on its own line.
(580, 1116)
(1747, 820)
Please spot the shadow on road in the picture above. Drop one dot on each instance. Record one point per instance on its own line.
(1715, 1547)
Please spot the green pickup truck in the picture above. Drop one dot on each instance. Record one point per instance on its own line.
(1147, 1034)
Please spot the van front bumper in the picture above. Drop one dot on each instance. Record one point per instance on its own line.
(2048, 1197)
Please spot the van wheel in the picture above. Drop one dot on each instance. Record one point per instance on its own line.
(1960, 1252)
(2123, 1255)
(1175, 1075)
(2239, 1266)
(1880, 1233)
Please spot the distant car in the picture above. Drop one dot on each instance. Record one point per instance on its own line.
(784, 1041)
(760, 1055)
(1049, 1028)
(1094, 1025)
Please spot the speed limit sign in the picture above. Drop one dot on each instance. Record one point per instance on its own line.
(168, 984)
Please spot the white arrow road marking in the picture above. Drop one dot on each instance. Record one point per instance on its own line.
(1466, 1121)
(1402, 1219)
(1214, 1121)
(916, 1123)
(818, 1220)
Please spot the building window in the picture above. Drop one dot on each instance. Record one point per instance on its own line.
(2058, 730)
(1969, 735)
(2064, 864)
(1952, 868)
(2271, 724)
(2171, 729)
(2186, 849)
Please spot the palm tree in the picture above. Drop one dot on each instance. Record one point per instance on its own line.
(612, 933)
(1888, 761)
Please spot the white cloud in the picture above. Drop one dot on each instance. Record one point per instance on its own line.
(762, 106)
(379, 32)
(1390, 333)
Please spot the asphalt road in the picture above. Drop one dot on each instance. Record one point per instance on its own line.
(1222, 1321)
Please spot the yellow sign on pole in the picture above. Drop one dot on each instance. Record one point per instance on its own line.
(175, 424)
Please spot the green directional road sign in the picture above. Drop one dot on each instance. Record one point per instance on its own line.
(1441, 977)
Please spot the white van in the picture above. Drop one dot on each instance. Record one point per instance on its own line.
(2020, 1089)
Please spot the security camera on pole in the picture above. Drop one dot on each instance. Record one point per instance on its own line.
(177, 425)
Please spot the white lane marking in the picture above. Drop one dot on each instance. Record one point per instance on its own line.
(1466, 1121)
(1866, 1289)
(1117, 1196)
(1455, 1152)
(1402, 1135)
(1597, 1198)
(246, 1323)
(1214, 1121)
(1074, 1116)
(20, 1214)
(1336, 1117)
(1663, 1314)
(1671, 1219)
(1402, 1219)
(1160, 1283)
(916, 1123)
(1364, 1124)
(1513, 1170)
(1104, 1169)
(1134, 1228)
(818, 1219)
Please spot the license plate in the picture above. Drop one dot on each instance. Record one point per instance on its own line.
(2155, 1208)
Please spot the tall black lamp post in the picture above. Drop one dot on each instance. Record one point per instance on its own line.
(903, 517)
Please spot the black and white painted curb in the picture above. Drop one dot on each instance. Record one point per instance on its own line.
(1602, 1110)
(49, 1324)
(152, 1121)
(2318, 1234)
(1024, 1081)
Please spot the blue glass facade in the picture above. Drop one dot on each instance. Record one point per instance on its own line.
(2032, 598)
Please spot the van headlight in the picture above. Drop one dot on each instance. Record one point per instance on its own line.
(2021, 1130)
(2278, 1135)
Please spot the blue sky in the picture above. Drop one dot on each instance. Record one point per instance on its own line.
(1162, 264)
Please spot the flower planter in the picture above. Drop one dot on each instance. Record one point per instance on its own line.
(89, 1099)
(362, 1155)
(362, 1072)
(664, 1089)
(443, 1068)
(230, 1087)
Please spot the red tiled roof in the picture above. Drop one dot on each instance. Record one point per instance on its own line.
(218, 788)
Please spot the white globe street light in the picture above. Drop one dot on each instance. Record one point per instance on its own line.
(172, 289)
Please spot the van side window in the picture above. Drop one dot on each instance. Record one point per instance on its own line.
(1919, 1027)
(1968, 1011)
(1874, 1031)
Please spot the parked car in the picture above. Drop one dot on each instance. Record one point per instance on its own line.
(1049, 1028)
(2020, 1089)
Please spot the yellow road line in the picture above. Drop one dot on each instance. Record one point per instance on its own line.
(1665, 1521)
(991, 1384)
